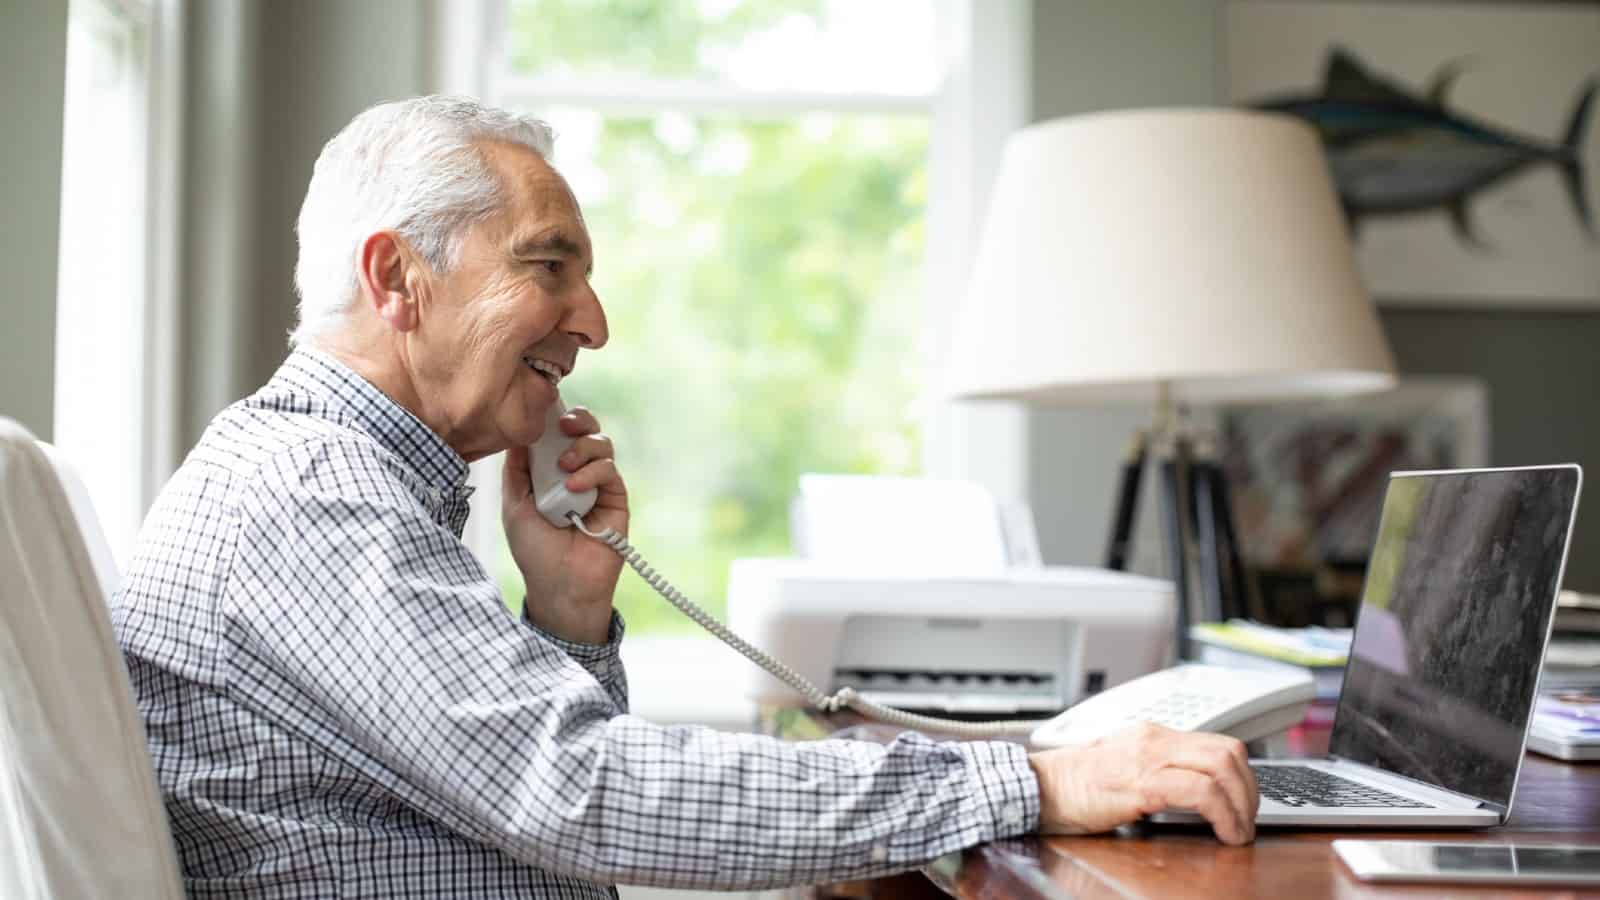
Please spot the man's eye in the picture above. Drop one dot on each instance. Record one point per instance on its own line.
(553, 266)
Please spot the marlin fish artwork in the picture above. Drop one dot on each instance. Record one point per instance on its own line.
(1393, 151)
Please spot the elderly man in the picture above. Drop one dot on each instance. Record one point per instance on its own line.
(338, 701)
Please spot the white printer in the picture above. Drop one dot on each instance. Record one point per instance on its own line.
(920, 620)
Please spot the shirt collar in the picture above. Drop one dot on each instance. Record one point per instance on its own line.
(345, 396)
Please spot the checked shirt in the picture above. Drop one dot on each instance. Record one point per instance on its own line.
(339, 703)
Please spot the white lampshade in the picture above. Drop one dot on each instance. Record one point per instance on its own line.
(1199, 248)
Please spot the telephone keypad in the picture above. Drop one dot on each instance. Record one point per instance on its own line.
(1189, 697)
(1181, 710)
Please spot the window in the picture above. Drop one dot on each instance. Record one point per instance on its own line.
(102, 283)
(754, 175)
(116, 301)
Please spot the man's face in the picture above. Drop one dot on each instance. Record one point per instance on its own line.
(518, 300)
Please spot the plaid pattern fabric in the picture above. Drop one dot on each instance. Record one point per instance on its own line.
(339, 703)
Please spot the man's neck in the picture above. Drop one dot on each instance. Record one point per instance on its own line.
(385, 372)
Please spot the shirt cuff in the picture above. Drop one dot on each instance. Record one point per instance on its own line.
(586, 654)
(1006, 785)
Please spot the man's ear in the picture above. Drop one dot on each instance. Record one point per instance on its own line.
(381, 267)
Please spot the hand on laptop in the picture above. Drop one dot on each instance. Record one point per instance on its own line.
(1142, 770)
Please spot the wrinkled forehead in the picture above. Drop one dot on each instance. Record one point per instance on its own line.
(537, 197)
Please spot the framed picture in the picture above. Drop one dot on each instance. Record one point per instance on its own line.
(1307, 484)
(1461, 137)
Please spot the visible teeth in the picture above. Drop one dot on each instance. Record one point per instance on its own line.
(549, 370)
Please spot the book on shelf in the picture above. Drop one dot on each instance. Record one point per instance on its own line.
(1243, 644)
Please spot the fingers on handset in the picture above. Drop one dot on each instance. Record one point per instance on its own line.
(579, 421)
(584, 449)
(601, 474)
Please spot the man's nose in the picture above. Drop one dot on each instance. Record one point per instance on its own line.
(586, 323)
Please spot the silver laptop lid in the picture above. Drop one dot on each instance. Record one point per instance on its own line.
(1454, 618)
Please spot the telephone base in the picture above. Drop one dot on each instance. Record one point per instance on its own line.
(1269, 724)
(1246, 704)
(1266, 734)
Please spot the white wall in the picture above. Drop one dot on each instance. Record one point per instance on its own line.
(33, 43)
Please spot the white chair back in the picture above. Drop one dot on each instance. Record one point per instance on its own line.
(80, 812)
(94, 537)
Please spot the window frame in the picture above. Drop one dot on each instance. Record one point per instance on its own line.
(162, 446)
(156, 448)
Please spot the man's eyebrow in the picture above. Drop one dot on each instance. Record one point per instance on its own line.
(549, 242)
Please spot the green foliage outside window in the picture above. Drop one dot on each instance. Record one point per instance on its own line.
(760, 276)
(654, 38)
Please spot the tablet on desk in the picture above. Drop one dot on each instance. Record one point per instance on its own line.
(1461, 862)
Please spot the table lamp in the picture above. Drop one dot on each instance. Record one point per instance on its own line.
(1168, 257)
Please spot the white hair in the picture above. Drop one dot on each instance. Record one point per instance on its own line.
(413, 166)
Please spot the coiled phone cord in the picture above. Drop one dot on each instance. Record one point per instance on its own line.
(842, 698)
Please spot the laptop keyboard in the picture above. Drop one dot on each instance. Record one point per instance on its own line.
(1305, 786)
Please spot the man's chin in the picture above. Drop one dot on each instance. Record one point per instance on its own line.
(525, 422)
(524, 433)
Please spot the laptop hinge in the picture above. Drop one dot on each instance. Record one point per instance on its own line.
(1443, 795)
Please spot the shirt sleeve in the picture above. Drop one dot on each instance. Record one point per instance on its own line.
(363, 626)
(603, 661)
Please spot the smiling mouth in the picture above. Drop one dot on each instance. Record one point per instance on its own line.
(551, 372)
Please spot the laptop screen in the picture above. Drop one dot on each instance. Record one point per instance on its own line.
(1452, 627)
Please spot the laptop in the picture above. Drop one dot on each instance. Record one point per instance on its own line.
(1455, 614)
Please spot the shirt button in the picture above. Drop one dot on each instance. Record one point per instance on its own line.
(1011, 814)
(880, 853)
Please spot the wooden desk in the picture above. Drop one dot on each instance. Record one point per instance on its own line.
(1556, 803)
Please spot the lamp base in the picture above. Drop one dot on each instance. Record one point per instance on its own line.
(1202, 546)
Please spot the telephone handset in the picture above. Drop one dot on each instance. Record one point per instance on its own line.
(550, 494)
(1284, 702)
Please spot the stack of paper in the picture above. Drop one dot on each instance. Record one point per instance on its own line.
(1241, 643)
(1566, 724)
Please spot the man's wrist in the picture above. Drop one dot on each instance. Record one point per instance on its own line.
(586, 626)
(587, 630)
(1051, 817)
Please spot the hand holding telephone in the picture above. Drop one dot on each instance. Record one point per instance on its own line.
(550, 494)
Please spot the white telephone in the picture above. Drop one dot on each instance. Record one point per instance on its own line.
(550, 494)
(1246, 704)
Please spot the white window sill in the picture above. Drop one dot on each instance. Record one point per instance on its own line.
(688, 680)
